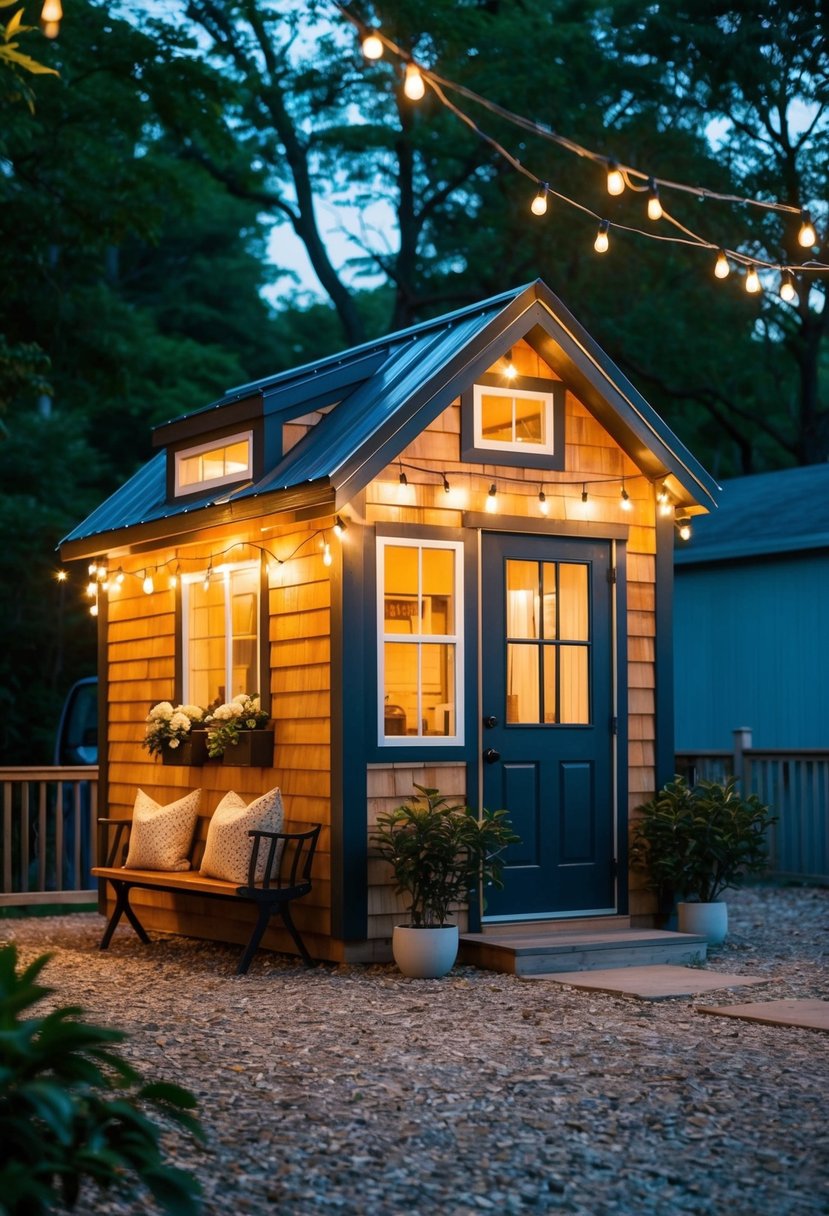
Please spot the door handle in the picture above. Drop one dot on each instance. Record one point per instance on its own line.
(491, 756)
(490, 720)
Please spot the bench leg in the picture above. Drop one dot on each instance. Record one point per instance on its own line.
(287, 919)
(255, 939)
(122, 908)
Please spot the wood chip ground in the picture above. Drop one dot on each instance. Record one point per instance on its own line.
(353, 1090)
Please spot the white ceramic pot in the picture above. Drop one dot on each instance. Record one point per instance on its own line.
(708, 920)
(425, 953)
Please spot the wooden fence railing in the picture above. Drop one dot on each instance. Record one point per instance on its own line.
(795, 783)
(48, 820)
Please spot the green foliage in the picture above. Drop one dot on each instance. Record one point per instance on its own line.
(694, 841)
(440, 851)
(73, 1110)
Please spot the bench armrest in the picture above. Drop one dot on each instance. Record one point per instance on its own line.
(119, 840)
(288, 857)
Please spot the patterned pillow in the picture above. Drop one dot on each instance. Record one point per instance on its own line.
(228, 847)
(161, 836)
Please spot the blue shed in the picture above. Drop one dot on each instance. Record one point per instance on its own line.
(752, 615)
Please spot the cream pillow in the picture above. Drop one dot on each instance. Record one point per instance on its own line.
(161, 836)
(228, 848)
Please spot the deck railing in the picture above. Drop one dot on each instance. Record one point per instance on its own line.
(48, 822)
(795, 783)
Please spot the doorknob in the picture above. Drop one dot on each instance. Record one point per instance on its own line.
(490, 720)
(491, 756)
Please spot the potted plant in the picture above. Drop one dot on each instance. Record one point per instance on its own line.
(693, 842)
(439, 852)
(236, 732)
(176, 733)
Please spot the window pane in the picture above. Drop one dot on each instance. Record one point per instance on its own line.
(400, 689)
(189, 471)
(529, 420)
(213, 464)
(237, 457)
(438, 676)
(206, 683)
(438, 591)
(550, 663)
(223, 634)
(522, 594)
(573, 616)
(549, 604)
(496, 417)
(522, 683)
(574, 692)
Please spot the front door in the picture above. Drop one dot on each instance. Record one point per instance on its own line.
(547, 715)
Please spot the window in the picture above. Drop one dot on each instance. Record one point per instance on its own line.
(217, 463)
(548, 643)
(420, 641)
(221, 634)
(505, 417)
(521, 421)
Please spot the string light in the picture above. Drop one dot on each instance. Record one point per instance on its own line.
(510, 371)
(807, 237)
(207, 577)
(372, 45)
(584, 492)
(722, 270)
(50, 18)
(615, 178)
(654, 205)
(602, 241)
(539, 204)
(413, 85)
(618, 176)
(447, 489)
(403, 479)
(492, 499)
(684, 527)
(543, 505)
(663, 498)
(340, 527)
(148, 584)
(327, 559)
(626, 504)
(93, 609)
(174, 577)
(61, 576)
(788, 291)
(119, 577)
(753, 282)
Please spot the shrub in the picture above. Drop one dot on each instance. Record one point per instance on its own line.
(72, 1110)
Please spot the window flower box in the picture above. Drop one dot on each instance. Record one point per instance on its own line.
(252, 749)
(191, 751)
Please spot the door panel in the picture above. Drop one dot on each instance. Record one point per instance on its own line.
(547, 706)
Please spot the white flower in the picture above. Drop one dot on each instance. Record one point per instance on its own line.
(174, 742)
(163, 710)
(194, 712)
(179, 723)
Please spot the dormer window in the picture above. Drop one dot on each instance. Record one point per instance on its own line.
(519, 422)
(218, 462)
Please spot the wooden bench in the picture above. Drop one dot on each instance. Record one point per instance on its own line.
(287, 859)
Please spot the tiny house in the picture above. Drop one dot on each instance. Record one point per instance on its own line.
(442, 558)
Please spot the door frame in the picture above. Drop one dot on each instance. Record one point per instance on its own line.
(617, 535)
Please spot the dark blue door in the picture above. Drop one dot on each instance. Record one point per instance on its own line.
(547, 712)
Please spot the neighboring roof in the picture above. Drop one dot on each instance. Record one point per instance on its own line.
(768, 513)
(387, 391)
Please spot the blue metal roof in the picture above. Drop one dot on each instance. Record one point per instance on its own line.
(385, 392)
(782, 512)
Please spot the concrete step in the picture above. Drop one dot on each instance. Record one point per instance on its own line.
(532, 951)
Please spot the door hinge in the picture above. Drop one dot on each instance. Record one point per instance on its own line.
(611, 575)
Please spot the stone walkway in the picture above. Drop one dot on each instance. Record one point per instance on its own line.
(352, 1090)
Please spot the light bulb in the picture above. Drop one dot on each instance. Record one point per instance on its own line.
(722, 270)
(510, 371)
(543, 505)
(403, 479)
(626, 504)
(684, 527)
(752, 282)
(447, 489)
(788, 291)
(664, 500)
(91, 589)
(602, 241)
(539, 204)
(340, 526)
(654, 205)
(492, 499)
(413, 85)
(372, 45)
(615, 178)
(807, 235)
(206, 579)
(148, 583)
(93, 609)
(93, 569)
(327, 559)
(120, 576)
(61, 576)
(584, 493)
(173, 581)
(51, 11)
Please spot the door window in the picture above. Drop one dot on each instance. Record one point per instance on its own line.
(548, 643)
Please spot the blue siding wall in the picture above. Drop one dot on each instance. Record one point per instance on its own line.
(751, 648)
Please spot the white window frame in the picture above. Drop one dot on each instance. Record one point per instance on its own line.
(223, 572)
(547, 447)
(456, 639)
(213, 445)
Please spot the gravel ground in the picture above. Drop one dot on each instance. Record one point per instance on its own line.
(354, 1090)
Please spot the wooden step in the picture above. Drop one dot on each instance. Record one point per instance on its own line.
(527, 950)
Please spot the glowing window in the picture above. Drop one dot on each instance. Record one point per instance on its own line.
(507, 418)
(217, 463)
(220, 634)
